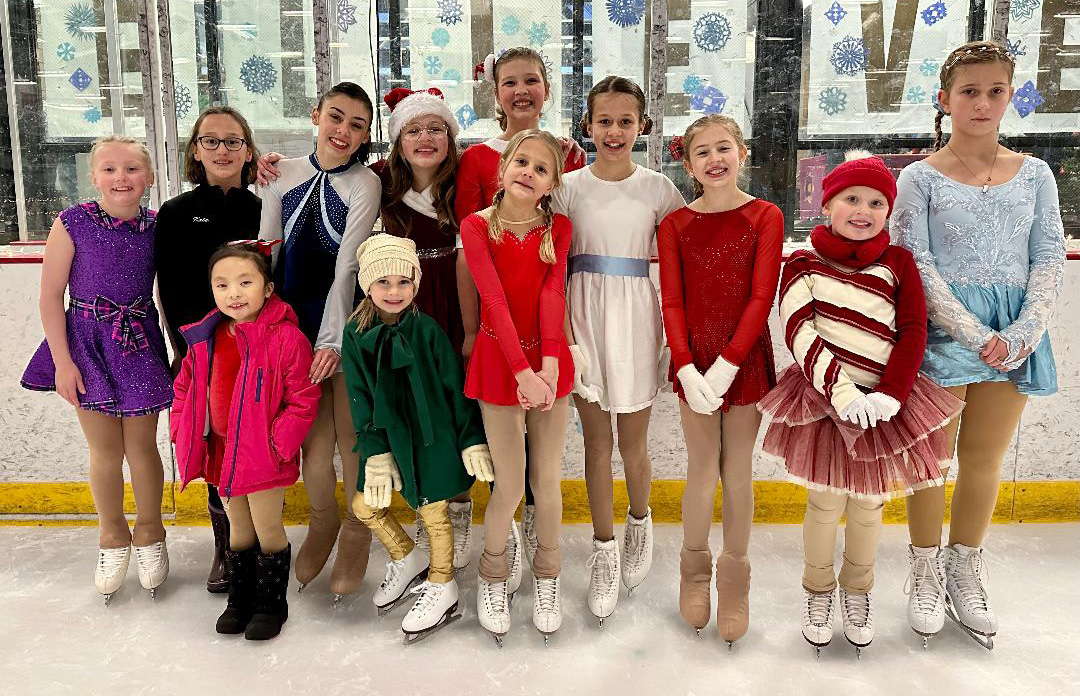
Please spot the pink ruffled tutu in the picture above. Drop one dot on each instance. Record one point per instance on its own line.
(822, 452)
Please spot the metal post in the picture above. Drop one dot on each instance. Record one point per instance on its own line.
(999, 21)
(173, 166)
(151, 106)
(116, 78)
(320, 15)
(657, 80)
(13, 118)
(577, 83)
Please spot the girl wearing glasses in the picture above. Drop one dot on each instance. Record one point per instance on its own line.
(220, 161)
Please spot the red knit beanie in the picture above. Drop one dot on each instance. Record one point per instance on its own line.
(860, 169)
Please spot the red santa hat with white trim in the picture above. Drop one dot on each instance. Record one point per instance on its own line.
(406, 105)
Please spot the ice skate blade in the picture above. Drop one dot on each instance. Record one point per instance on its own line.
(498, 638)
(697, 632)
(153, 593)
(629, 592)
(731, 646)
(447, 619)
(983, 639)
(338, 598)
(300, 588)
(858, 653)
(108, 598)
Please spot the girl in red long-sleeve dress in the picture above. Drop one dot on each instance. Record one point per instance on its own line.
(719, 267)
(521, 370)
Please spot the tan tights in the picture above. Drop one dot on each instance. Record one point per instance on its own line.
(111, 440)
(634, 450)
(333, 426)
(823, 512)
(505, 428)
(256, 517)
(979, 437)
(720, 447)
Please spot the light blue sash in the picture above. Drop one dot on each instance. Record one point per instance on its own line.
(609, 265)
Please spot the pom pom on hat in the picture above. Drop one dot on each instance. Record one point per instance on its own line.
(860, 168)
(383, 255)
(406, 105)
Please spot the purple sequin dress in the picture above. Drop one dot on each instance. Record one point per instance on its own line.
(112, 324)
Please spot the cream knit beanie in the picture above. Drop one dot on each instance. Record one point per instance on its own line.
(384, 255)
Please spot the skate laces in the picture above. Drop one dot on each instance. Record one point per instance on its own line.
(495, 599)
(923, 583)
(819, 607)
(857, 608)
(969, 581)
(393, 570)
(420, 537)
(430, 593)
(150, 557)
(633, 539)
(602, 566)
(461, 522)
(547, 592)
(111, 560)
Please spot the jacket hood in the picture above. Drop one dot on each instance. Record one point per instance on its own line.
(275, 311)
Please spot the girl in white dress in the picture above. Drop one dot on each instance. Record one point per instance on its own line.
(615, 329)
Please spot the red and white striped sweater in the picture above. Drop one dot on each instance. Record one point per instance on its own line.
(855, 330)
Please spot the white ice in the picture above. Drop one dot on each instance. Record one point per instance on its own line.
(57, 637)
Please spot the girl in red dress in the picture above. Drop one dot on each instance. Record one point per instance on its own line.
(719, 267)
(521, 370)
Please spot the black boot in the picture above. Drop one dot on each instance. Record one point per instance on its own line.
(271, 588)
(217, 581)
(240, 573)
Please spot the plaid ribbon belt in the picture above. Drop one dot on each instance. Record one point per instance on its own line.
(126, 319)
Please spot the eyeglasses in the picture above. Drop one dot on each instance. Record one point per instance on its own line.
(414, 132)
(209, 142)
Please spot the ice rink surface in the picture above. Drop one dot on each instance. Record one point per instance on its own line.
(58, 638)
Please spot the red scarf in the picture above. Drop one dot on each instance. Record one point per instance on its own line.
(849, 252)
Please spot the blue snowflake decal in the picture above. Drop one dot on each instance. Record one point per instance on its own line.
(77, 19)
(182, 99)
(1015, 48)
(452, 75)
(712, 31)
(79, 79)
(258, 75)
(432, 65)
(1023, 9)
(92, 115)
(835, 13)
(849, 56)
(1027, 99)
(450, 12)
(915, 95)
(832, 100)
(692, 83)
(935, 13)
(346, 15)
(511, 25)
(708, 99)
(538, 33)
(440, 37)
(929, 67)
(465, 116)
(65, 52)
(626, 13)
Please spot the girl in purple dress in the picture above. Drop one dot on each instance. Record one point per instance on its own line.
(105, 355)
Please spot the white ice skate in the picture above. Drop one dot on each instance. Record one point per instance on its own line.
(925, 588)
(966, 601)
(153, 564)
(435, 609)
(493, 608)
(547, 607)
(636, 550)
(112, 568)
(461, 521)
(513, 552)
(817, 622)
(858, 619)
(603, 567)
(400, 577)
(528, 532)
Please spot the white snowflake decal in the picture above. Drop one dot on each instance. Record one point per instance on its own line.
(346, 15)
(182, 100)
(1023, 9)
(712, 31)
(832, 100)
(450, 12)
(258, 75)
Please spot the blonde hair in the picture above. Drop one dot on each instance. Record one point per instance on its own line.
(971, 53)
(495, 224)
(701, 124)
(123, 139)
(365, 313)
(514, 54)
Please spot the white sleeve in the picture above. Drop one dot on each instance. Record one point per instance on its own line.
(364, 200)
(668, 201)
(271, 226)
(560, 200)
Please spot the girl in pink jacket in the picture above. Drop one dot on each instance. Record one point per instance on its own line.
(243, 405)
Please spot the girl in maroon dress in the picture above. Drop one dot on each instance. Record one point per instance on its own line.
(719, 267)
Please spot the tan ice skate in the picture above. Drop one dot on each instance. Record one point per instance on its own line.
(695, 571)
(732, 597)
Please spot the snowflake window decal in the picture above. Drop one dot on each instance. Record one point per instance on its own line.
(835, 13)
(78, 19)
(511, 25)
(934, 13)
(1023, 9)
(65, 52)
(346, 15)
(450, 12)
(915, 95)
(1015, 48)
(440, 37)
(92, 115)
(258, 75)
(182, 100)
(625, 13)
(466, 116)
(849, 56)
(712, 32)
(832, 100)
(692, 84)
(538, 33)
(80, 79)
(929, 67)
(1027, 99)
(432, 65)
(709, 100)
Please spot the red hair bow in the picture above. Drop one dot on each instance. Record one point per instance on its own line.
(398, 93)
(263, 246)
(676, 148)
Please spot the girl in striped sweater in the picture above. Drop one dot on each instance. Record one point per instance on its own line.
(853, 419)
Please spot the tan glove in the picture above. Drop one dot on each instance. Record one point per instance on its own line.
(477, 459)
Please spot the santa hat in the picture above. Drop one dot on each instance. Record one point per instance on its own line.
(405, 105)
(383, 255)
(860, 168)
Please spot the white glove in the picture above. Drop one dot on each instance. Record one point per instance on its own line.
(861, 412)
(380, 474)
(581, 364)
(477, 459)
(700, 397)
(721, 375)
(885, 406)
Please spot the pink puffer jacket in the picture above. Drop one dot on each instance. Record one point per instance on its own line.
(273, 405)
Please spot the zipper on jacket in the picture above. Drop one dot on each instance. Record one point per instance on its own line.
(239, 413)
(258, 385)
